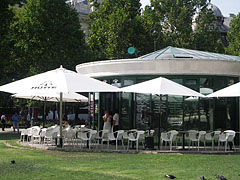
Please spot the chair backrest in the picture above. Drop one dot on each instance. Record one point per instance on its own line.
(152, 131)
(173, 135)
(64, 132)
(105, 134)
(216, 135)
(70, 134)
(140, 135)
(49, 132)
(201, 135)
(29, 131)
(192, 131)
(23, 132)
(43, 132)
(82, 134)
(222, 137)
(54, 134)
(192, 135)
(36, 131)
(131, 135)
(230, 134)
(125, 135)
(120, 134)
(93, 134)
(164, 135)
(209, 136)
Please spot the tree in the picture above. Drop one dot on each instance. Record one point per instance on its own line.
(206, 35)
(6, 16)
(115, 25)
(174, 19)
(234, 36)
(47, 34)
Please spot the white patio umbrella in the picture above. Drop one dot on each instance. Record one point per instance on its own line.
(161, 86)
(59, 81)
(230, 91)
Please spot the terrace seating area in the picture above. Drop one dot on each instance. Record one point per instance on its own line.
(80, 137)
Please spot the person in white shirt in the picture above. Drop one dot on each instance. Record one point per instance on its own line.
(115, 124)
(3, 120)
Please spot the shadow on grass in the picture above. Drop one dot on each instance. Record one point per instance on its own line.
(9, 136)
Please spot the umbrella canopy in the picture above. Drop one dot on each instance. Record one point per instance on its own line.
(59, 80)
(230, 91)
(53, 97)
(162, 86)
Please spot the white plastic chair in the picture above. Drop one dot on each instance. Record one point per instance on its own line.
(136, 137)
(29, 134)
(169, 137)
(69, 137)
(49, 136)
(89, 136)
(216, 135)
(118, 138)
(23, 134)
(210, 137)
(188, 132)
(226, 137)
(105, 137)
(196, 138)
(36, 134)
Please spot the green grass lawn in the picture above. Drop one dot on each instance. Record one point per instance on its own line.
(45, 164)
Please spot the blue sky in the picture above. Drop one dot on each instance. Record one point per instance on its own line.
(226, 6)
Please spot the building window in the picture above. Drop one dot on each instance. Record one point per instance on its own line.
(191, 82)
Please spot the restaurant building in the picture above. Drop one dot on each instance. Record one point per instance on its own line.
(204, 72)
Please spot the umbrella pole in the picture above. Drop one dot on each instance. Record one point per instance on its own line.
(44, 112)
(160, 120)
(61, 110)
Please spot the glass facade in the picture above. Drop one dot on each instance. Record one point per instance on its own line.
(141, 111)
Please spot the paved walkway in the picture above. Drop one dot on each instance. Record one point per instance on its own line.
(8, 130)
(111, 148)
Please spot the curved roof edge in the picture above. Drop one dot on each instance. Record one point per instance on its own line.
(179, 53)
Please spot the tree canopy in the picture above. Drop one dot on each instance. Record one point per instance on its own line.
(47, 34)
(234, 36)
(206, 35)
(115, 25)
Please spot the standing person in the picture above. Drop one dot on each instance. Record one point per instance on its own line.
(107, 121)
(115, 121)
(3, 120)
(15, 120)
(28, 120)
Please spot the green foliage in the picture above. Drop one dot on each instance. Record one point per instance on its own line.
(47, 34)
(6, 16)
(234, 36)
(206, 36)
(115, 25)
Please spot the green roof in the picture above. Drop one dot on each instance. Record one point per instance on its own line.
(177, 53)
